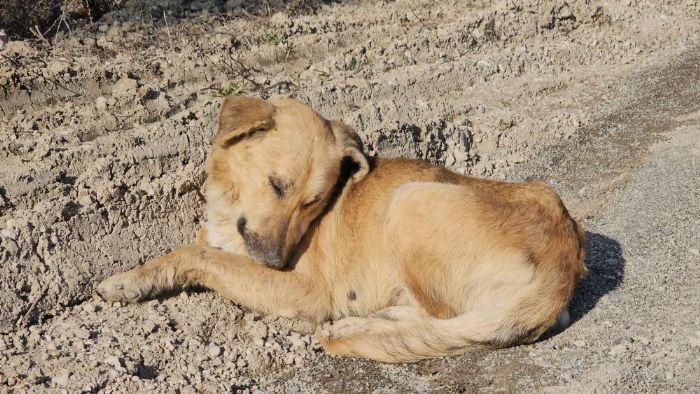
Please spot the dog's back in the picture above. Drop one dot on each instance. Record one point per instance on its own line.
(484, 263)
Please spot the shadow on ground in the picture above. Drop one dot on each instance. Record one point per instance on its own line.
(606, 269)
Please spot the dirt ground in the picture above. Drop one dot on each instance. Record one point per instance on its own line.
(105, 129)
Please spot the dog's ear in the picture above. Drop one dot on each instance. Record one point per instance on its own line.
(350, 146)
(239, 116)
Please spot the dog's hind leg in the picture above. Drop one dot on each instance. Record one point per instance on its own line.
(236, 277)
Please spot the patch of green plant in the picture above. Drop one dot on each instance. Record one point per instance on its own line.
(227, 89)
(269, 36)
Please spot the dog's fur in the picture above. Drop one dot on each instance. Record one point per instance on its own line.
(410, 260)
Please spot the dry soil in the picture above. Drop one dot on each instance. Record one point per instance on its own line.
(104, 131)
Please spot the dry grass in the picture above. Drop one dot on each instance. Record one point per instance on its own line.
(41, 19)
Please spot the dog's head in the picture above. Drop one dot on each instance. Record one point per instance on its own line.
(276, 165)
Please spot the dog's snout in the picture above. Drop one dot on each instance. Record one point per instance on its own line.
(241, 226)
(273, 259)
(263, 249)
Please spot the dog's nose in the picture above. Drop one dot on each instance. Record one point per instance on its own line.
(240, 226)
(273, 259)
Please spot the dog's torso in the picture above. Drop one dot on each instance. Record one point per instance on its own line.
(348, 251)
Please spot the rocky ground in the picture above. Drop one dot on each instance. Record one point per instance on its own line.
(104, 131)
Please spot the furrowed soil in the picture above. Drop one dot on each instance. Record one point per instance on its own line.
(104, 132)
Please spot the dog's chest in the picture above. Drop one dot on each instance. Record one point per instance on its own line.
(224, 236)
(221, 229)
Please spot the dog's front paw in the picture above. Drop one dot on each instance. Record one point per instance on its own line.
(124, 287)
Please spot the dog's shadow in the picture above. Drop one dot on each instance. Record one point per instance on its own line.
(606, 271)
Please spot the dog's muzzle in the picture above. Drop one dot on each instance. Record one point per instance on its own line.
(268, 253)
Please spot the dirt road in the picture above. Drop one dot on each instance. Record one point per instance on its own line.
(103, 136)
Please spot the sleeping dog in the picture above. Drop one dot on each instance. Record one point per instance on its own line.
(401, 260)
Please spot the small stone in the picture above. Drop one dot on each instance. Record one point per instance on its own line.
(101, 102)
(618, 349)
(349, 62)
(125, 88)
(565, 12)
(7, 233)
(150, 326)
(694, 342)
(215, 351)
(295, 340)
(82, 333)
(62, 379)
(622, 340)
(643, 340)
(694, 251)
(258, 330)
(113, 361)
(579, 343)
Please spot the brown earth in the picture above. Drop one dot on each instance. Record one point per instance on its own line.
(104, 132)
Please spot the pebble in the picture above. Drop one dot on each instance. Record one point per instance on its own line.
(7, 233)
(125, 88)
(113, 361)
(150, 326)
(694, 342)
(101, 102)
(62, 378)
(258, 330)
(82, 333)
(579, 343)
(618, 349)
(215, 351)
(295, 340)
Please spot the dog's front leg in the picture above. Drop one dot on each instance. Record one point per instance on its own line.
(236, 277)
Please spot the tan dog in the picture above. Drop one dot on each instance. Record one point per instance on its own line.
(415, 261)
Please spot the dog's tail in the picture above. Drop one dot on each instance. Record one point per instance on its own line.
(402, 334)
(397, 341)
(390, 338)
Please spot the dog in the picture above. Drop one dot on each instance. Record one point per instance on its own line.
(402, 260)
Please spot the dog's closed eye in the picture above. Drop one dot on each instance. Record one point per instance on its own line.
(277, 186)
(312, 201)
